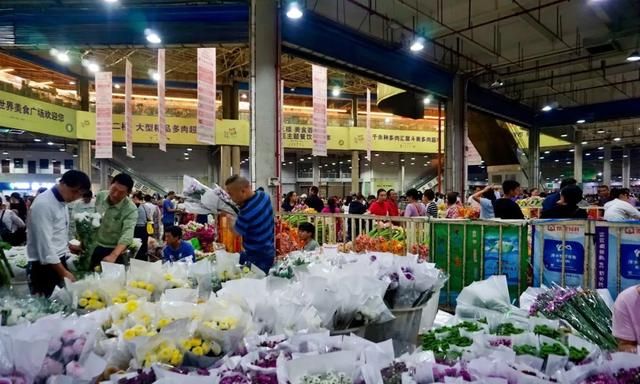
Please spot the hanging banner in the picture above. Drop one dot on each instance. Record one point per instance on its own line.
(369, 139)
(128, 109)
(558, 255)
(281, 126)
(104, 134)
(162, 128)
(206, 113)
(617, 264)
(319, 83)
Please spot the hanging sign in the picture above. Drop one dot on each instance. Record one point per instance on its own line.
(281, 127)
(104, 135)
(128, 109)
(162, 127)
(319, 81)
(206, 113)
(369, 139)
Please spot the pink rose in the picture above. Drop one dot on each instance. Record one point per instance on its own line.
(78, 345)
(50, 367)
(54, 346)
(75, 369)
(68, 336)
(68, 353)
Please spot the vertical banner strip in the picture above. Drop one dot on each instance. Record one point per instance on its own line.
(104, 117)
(128, 108)
(281, 127)
(369, 139)
(162, 127)
(206, 112)
(319, 81)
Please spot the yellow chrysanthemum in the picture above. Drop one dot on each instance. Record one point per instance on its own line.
(83, 302)
(131, 306)
(176, 359)
(139, 330)
(206, 348)
(215, 348)
(163, 322)
(129, 334)
(165, 354)
(186, 344)
(196, 341)
(198, 351)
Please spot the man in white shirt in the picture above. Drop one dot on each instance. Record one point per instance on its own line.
(47, 233)
(10, 223)
(619, 209)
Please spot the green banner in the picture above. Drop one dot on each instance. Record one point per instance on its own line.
(19, 112)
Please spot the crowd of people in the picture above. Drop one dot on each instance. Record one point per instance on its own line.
(492, 202)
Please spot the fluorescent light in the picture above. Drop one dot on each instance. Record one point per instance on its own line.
(417, 45)
(75, 155)
(152, 36)
(541, 157)
(110, 1)
(293, 11)
(617, 139)
(600, 130)
(189, 149)
(557, 161)
(547, 152)
(61, 149)
(50, 143)
(243, 96)
(37, 140)
(572, 150)
(587, 154)
(335, 92)
(564, 135)
(581, 121)
(634, 56)
(72, 82)
(584, 143)
(5, 153)
(601, 148)
(427, 100)
(377, 154)
(155, 75)
(116, 86)
(124, 147)
(93, 67)
(547, 108)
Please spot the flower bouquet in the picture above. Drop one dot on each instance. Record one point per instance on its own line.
(87, 225)
(584, 310)
(204, 200)
(23, 310)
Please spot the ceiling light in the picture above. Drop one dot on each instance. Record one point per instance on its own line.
(335, 92)
(243, 96)
(413, 163)
(547, 108)
(625, 156)
(37, 140)
(293, 11)
(600, 157)
(417, 44)
(382, 163)
(189, 149)
(291, 162)
(599, 173)
(116, 86)
(75, 155)
(50, 143)
(72, 82)
(587, 154)
(547, 152)
(600, 130)
(557, 161)
(497, 83)
(61, 149)
(584, 143)
(152, 36)
(93, 66)
(572, 150)
(541, 157)
(387, 120)
(110, 1)
(63, 57)
(581, 121)
(155, 75)
(333, 163)
(427, 100)
(377, 154)
(568, 162)
(186, 154)
(617, 139)
(634, 56)
(601, 148)
(5, 153)
(564, 135)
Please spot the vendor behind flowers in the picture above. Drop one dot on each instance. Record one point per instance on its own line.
(626, 319)
(254, 223)
(119, 217)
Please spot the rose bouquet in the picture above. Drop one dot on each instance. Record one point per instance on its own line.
(87, 225)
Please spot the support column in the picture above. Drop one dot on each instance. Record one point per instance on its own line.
(577, 158)
(104, 175)
(265, 84)
(355, 172)
(606, 166)
(229, 111)
(355, 157)
(235, 159)
(225, 164)
(626, 167)
(456, 131)
(84, 146)
(316, 171)
(534, 157)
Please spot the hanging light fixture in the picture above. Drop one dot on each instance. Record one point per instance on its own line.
(293, 10)
(417, 44)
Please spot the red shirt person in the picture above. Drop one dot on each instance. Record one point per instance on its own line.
(392, 201)
(380, 207)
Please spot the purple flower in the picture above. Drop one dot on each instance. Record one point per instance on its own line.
(54, 346)
(373, 258)
(50, 367)
(68, 353)
(68, 336)
(74, 369)
(78, 345)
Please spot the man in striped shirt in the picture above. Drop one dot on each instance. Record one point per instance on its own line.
(255, 223)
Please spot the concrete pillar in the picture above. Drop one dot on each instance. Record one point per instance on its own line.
(84, 156)
(626, 167)
(534, 157)
(264, 43)
(606, 166)
(229, 111)
(104, 175)
(577, 158)
(225, 164)
(316, 171)
(355, 172)
(455, 133)
(235, 159)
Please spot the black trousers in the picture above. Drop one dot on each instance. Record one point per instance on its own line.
(100, 253)
(43, 279)
(140, 232)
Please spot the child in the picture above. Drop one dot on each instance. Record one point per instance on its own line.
(306, 231)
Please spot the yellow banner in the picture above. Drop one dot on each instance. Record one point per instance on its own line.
(522, 138)
(179, 130)
(19, 112)
(390, 140)
(300, 137)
